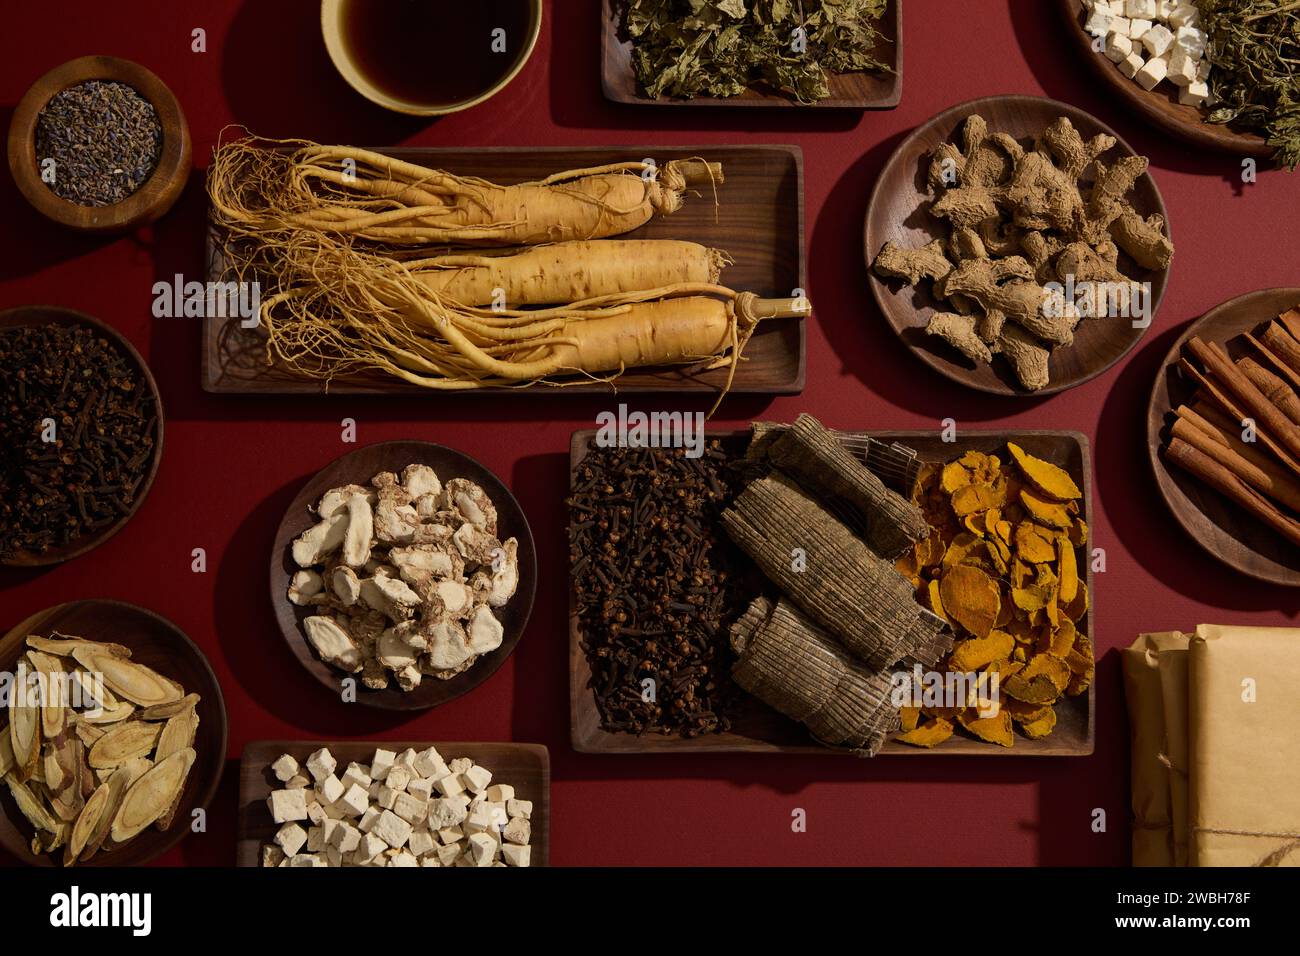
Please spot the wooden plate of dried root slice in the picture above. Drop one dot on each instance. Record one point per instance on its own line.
(114, 735)
(1036, 272)
(407, 568)
(1235, 486)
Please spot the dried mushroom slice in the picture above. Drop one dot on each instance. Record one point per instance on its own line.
(124, 742)
(152, 795)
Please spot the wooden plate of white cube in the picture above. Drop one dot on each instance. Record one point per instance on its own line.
(1151, 61)
(483, 804)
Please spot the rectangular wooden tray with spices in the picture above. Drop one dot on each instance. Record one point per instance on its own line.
(757, 728)
(526, 767)
(861, 91)
(758, 221)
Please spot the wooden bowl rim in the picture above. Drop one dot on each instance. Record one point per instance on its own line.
(1159, 281)
(331, 10)
(208, 790)
(1222, 138)
(1164, 482)
(155, 196)
(58, 315)
(392, 698)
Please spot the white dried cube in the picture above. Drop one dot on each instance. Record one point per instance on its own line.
(356, 774)
(450, 835)
(429, 763)
(1185, 15)
(287, 805)
(421, 842)
(345, 837)
(286, 768)
(517, 855)
(298, 781)
(316, 839)
(330, 789)
(518, 831)
(1141, 8)
(398, 777)
(1194, 94)
(1158, 40)
(1182, 68)
(1137, 29)
(460, 765)
(1130, 65)
(290, 838)
(482, 849)
(404, 859)
(1191, 41)
(500, 793)
(392, 829)
(519, 808)
(381, 763)
(450, 785)
(479, 820)
(1152, 73)
(354, 802)
(421, 788)
(407, 759)
(1118, 46)
(369, 847)
(321, 764)
(449, 853)
(1099, 23)
(410, 809)
(316, 812)
(305, 860)
(445, 813)
(476, 778)
(368, 819)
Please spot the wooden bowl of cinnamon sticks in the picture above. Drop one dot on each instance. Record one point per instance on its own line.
(1224, 433)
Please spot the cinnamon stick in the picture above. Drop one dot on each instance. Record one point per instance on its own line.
(1278, 392)
(1211, 420)
(1215, 395)
(1201, 465)
(1290, 320)
(1284, 492)
(1279, 366)
(1255, 403)
(1282, 344)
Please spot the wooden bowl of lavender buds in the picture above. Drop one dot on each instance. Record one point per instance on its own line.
(100, 145)
(80, 436)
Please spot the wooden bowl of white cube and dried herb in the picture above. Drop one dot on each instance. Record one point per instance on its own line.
(100, 145)
(113, 740)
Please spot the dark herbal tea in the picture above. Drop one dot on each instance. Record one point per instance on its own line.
(435, 52)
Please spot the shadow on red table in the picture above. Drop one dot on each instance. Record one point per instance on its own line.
(280, 83)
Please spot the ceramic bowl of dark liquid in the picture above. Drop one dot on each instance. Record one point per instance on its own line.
(430, 57)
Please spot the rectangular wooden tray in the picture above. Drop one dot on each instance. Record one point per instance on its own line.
(759, 221)
(526, 767)
(862, 91)
(759, 729)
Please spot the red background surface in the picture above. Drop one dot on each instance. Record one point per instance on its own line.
(231, 465)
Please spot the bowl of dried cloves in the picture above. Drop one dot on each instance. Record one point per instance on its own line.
(81, 435)
(100, 144)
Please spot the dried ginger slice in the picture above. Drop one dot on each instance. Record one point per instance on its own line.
(971, 598)
(1044, 476)
(929, 734)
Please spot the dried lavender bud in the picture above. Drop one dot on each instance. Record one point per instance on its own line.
(77, 433)
(104, 138)
(657, 587)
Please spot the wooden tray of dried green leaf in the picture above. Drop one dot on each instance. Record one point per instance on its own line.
(723, 53)
(696, 707)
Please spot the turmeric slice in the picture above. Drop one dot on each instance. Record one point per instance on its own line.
(1042, 681)
(1051, 513)
(971, 655)
(908, 718)
(1040, 726)
(1068, 571)
(971, 598)
(1049, 479)
(930, 734)
(1032, 546)
(995, 730)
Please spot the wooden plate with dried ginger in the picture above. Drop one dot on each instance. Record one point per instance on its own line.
(133, 728)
